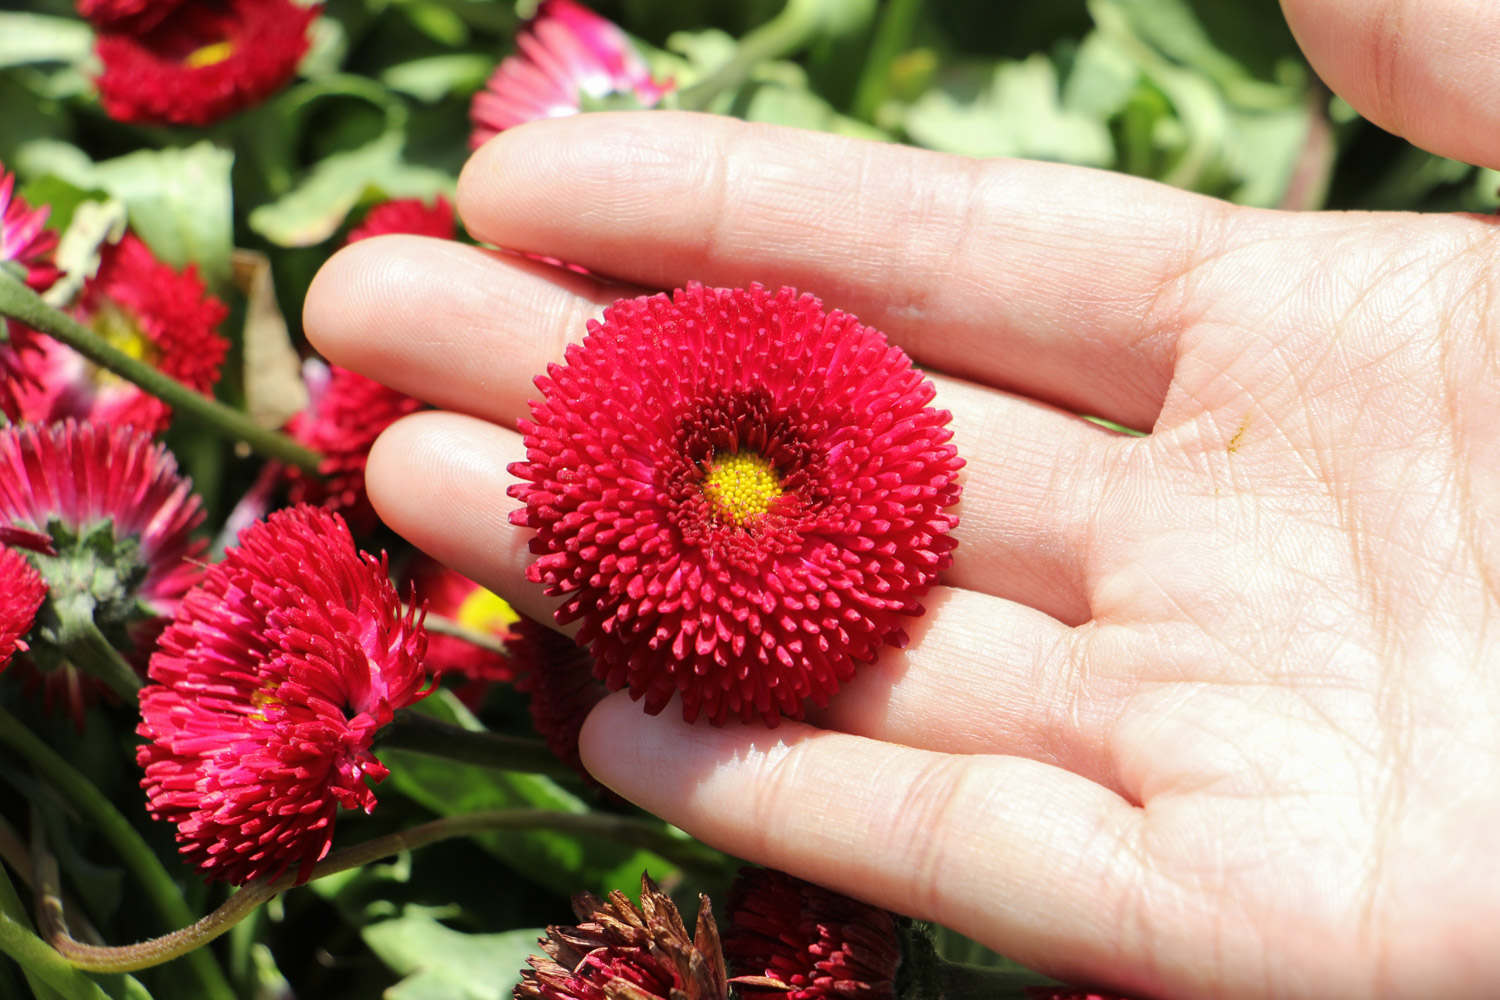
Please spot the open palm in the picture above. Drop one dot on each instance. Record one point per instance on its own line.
(1209, 711)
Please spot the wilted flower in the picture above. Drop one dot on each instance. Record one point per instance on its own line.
(558, 674)
(454, 596)
(622, 951)
(27, 247)
(565, 55)
(206, 61)
(120, 522)
(793, 939)
(21, 593)
(147, 310)
(270, 685)
(739, 496)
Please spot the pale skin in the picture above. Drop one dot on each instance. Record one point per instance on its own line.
(1208, 713)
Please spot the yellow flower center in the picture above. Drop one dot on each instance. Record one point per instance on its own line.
(485, 612)
(120, 331)
(741, 486)
(209, 55)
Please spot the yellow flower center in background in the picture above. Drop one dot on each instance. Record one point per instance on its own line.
(483, 611)
(209, 55)
(741, 486)
(121, 332)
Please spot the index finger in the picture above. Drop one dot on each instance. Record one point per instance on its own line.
(1061, 283)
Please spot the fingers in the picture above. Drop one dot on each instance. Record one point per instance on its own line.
(1060, 283)
(1426, 71)
(1029, 859)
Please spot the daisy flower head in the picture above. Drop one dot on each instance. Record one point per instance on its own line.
(148, 310)
(406, 215)
(115, 522)
(131, 16)
(565, 55)
(27, 247)
(269, 687)
(208, 60)
(739, 496)
(627, 950)
(454, 596)
(793, 939)
(21, 593)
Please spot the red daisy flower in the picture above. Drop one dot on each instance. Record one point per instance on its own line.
(271, 684)
(622, 950)
(565, 54)
(208, 60)
(412, 216)
(739, 496)
(134, 17)
(21, 593)
(116, 522)
(558, 674)
(149, 311)
(1069, 993)
(793, 939)
(457, 598)
(26, 248)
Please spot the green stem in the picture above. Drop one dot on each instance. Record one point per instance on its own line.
(33, 954)
(102, 816)
(105, 662)
(784, 33)
(441, 625)
(11, 907)
(425, 735)
(27, 306)
(891, 36)
(127, 958)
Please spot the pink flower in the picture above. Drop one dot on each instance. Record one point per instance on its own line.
(270, 685)
(564, 55)
(149, 311)
(21, 593)
(206, 61)
(120, 521)
(739, 497)
(26, 248)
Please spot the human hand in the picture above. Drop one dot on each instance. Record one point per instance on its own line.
(1209, 712)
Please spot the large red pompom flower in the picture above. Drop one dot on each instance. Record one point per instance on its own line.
(793, 939)
(21, 593)
(27, 247)
(146, 309)
(563, 55)
(206, 61)
(271, 684)
(739, 496)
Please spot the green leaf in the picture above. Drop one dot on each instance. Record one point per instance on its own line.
(274, 389)
(36, 38)
(1008, 109)
(440, 963)
(313, 210)
(434, 77)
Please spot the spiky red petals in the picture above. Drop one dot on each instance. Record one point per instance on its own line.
(406, 215)
(745, 607)
(563, 55)
(793, 939)
(270, 685)
(208, 60)
(21, 593)
(27, 247)
(147, 309)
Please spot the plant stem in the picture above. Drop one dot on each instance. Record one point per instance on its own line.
(442, 625)
(106, 662)
(22, 303)
(425, 735)
(101, 815)
(891, 36)
(127, 958)
(784, 33)
(10, 906)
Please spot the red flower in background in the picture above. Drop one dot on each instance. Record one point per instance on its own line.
(130, 16)
(459, 599)
(26, 250)
(793, 939)
(21, 593)
(119, 519)
(270, 685)
(739, 496)
(206, 61)
(411, 216)
(563, 55)
(558, 674)
(151, 312)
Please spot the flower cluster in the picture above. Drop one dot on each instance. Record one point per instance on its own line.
(270, 685)
(193, 62)
(566, 55)
(739, 496)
